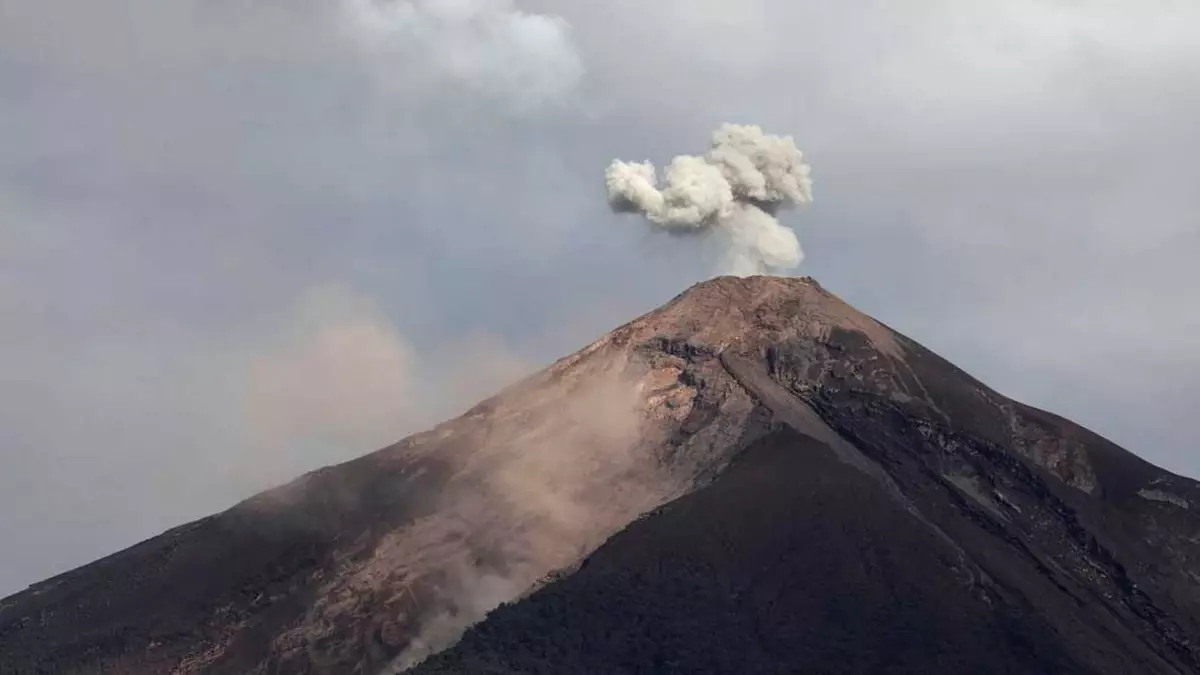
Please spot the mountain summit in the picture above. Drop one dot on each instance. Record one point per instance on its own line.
(753, 478)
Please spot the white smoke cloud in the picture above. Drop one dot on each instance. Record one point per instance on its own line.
(526, 59)
(734, 190)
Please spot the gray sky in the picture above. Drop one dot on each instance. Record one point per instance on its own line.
(241, 239)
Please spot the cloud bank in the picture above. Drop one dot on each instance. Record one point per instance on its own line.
(735, 190)
(175, 175)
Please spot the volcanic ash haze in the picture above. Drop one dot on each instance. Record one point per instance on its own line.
(734, 191)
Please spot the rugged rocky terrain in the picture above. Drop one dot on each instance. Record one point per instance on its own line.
(819, 494)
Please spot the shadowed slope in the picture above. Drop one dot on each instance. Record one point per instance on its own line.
(791, 562)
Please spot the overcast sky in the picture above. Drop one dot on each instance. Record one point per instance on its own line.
(242, 239)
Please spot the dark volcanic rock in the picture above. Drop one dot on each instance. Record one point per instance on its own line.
(825, 495)
(791, 562)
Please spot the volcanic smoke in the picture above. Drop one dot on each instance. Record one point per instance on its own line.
(734, 191)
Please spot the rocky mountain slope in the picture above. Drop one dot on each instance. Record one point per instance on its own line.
(823, 494)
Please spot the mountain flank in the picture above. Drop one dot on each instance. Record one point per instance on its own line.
(753, 478)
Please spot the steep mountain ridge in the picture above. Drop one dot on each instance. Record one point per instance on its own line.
(378, 562)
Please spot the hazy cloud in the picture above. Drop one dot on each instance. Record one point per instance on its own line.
(1010, 183)
(488, 45)
(338, 374)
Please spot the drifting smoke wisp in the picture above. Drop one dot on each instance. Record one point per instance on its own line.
(734, 190)
(524, 59)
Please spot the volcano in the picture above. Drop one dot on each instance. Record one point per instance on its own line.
(753, 478)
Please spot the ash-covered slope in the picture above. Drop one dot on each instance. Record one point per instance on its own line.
(923, 503)
(382, 559)
(899, 517)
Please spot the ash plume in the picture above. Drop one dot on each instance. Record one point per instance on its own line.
(734, 191)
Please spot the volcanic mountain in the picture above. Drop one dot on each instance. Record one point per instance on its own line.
(753, 478)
